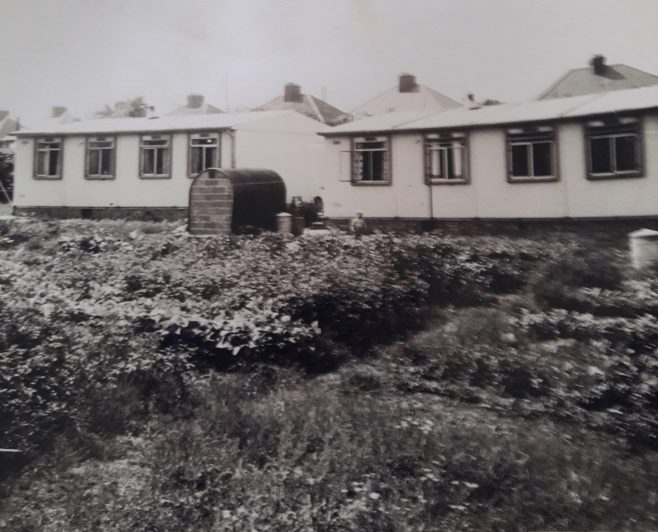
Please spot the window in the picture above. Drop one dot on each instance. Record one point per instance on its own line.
(371, 161)
(155, 156)
(203, 152)
(614, 149)
(100, 158)
(531, 154)
(48, 158)
(445, 158)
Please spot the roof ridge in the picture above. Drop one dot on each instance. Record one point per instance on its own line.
(556, 83)
(315, 108)
(435, 92)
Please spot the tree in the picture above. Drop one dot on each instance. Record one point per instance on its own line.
(6, 176)
(134, 107)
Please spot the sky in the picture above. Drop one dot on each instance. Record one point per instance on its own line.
(84, 54)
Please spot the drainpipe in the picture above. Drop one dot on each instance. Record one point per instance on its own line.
(431, 198)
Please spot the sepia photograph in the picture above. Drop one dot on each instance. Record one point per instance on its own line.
(328, 265)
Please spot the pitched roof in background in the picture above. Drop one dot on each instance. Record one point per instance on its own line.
(407, 97)
(163, 124)
(497, 115)
(7, 125)
(58, 116)
(586, 81)
(307, 105)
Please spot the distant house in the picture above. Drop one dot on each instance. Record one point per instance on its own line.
(294, 100)
(597, 78)
(59, 115)
(196, 105)
(408, 96)
(143, 167)
(7, 127)
(591, 156)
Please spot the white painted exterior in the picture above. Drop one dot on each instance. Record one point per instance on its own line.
(488, 194)
(285, 142)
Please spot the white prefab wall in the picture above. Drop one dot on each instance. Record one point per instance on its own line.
(287, 144)
(290, 146)
(126, 189)
(488, 193)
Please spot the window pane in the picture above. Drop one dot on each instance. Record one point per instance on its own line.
(149, 161)
(456, 155)
(435, 163)
(159, 161)
(42, 162)
(106, 162)
(542, 159)
(367, 166)
(370, 145)
(520, 162)
(195, 161)
(377, 166)
(600, 154)
(52, 163)
(92, 169)
(210, 158)
(625, 153)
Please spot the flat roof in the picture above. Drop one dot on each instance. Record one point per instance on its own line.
(170, 123)
(510, 113)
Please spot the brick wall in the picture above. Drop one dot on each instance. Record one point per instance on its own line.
(211, 204)
(613, 228)
(151, 214)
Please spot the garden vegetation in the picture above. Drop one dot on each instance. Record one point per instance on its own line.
(155, 381)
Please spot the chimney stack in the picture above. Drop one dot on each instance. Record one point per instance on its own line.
(195, 101)
(4, 114)
(57, 111)
(407, 83)
(598, 64)
(292, 93)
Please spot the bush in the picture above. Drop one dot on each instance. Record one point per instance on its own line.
(554, 283)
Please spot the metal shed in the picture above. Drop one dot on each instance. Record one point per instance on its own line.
(222, 201)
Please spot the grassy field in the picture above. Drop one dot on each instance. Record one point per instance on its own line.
(402, 382)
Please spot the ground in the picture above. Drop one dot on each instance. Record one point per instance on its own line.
(423, 382)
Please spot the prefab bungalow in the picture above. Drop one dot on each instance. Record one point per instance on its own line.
(590, 156)
(143, 167)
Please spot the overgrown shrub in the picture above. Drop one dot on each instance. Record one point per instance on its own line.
(556, 280)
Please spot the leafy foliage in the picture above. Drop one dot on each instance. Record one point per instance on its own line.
(503, 415)
(134, 107)
(6, 175)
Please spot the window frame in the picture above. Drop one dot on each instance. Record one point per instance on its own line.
(203, 134)
(101, 138)
(387, 166)
(169, 147)
(444, 137)
(530, 135)
(611, 128)
(60, 160)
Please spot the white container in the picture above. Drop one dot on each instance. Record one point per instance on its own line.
(644, 248)
(284, 222)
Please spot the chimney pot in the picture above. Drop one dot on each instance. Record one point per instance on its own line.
(408, 83)
(57, 111)
(195, 101)
(292, 93)
(598, 64)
